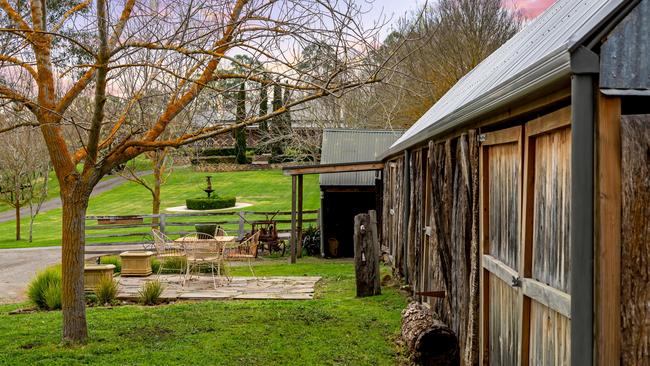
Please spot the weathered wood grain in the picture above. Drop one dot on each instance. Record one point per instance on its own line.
(552, 209)
(548, 296)
(550, 339)
(635, 246)
(504, 180)
(504, 312)
(366, 254)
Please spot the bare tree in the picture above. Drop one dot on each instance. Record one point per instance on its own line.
(24, 168)
(85, 117)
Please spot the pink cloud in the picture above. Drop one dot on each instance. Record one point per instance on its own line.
(529, 8)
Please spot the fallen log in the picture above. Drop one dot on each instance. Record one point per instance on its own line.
(428, 340)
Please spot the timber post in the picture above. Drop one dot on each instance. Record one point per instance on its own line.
(292, 257)
(366, 254)
(162, 218)
(241, 225)
(299, 218)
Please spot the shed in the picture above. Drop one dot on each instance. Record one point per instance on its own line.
(524, 194)
(344, 195)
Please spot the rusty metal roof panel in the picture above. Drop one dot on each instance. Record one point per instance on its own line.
(346, 146)
(534, 58)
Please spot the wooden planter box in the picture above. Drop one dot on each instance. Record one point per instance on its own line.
(94, 273)
(136, 263)
(121, 220)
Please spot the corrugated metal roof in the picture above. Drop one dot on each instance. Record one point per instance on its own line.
(625, 61)
(346, 146)
(535, 57)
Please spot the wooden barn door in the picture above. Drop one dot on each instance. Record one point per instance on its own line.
(501, 178)
(525, 214)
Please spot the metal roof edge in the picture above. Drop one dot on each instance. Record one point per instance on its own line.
(545, 72)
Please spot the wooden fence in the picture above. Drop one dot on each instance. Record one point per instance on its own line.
(136, 229)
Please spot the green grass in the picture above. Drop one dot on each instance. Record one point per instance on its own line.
(267, 190)
(333, 329)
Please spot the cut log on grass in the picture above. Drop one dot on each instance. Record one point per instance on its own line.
(428, 340)
(366, 254)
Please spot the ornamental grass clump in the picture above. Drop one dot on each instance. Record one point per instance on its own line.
(150, 293)
(114, 260)
(106, 291)
(45, 289)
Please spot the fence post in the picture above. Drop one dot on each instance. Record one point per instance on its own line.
(241, 224)
(162, 218)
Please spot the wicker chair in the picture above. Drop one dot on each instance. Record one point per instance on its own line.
(202, 250)
(167, 250)
(246, 250)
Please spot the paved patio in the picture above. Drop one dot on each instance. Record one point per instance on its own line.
(201, 288)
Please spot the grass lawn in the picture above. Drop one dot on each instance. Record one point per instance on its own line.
(267, 190)
(333, 329)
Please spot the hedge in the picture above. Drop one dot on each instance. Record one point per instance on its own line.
(227, 151)
(211, 203)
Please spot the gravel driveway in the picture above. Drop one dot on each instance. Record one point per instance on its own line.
(18, 266)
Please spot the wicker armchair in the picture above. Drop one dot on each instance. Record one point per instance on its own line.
(220, 232)
(167, 251)
(203, 250)
(246, 250)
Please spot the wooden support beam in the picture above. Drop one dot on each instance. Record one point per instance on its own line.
(334, 168)
(501, 270)
(547, 295)
(292, 239)
(608, 243)
(299, 226)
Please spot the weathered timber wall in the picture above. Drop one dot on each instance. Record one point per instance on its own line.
(635, 246)
(504, 320)
(550, 338)
(552, 209)
(442, 241)
(392, 211)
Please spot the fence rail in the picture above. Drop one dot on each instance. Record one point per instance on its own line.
(120, 230)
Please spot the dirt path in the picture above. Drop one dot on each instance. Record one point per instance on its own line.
(52, 204)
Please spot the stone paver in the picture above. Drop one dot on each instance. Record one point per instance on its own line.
(201, 288)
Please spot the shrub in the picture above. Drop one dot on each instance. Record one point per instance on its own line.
(223, 151)
(209, 229)
(150, 293)
(211, 203)
(46, 281)
(112, 259)
(311, 241)
(52, 296)
(172, 265)
(106, 291)
(155, 264)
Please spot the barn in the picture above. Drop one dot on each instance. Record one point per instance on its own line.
(344, 195)
(523, 195)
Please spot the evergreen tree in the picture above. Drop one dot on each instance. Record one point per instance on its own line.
(240, 133)
(264, 108)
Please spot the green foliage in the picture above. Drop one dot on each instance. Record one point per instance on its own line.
(172, 265)
(52, 296)
(42, 291)
(155, 264)
(227, 152)
(150, 293)
(240, 133)
(211, 203)
(106, 291)
(311, 241)
(114, 260)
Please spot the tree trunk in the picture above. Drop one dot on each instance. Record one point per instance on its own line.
(75, 204)
(155, 193)
(17, 204)
(366, 254)
(429, 341)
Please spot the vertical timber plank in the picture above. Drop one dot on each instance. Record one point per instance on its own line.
(299, 219)
(292, 258)
(484, 199)
(608, 250)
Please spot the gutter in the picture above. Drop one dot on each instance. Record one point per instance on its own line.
(585, 66)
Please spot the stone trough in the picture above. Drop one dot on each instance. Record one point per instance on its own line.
(201, 288)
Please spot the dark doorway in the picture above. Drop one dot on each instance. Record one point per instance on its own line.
(339, 208)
